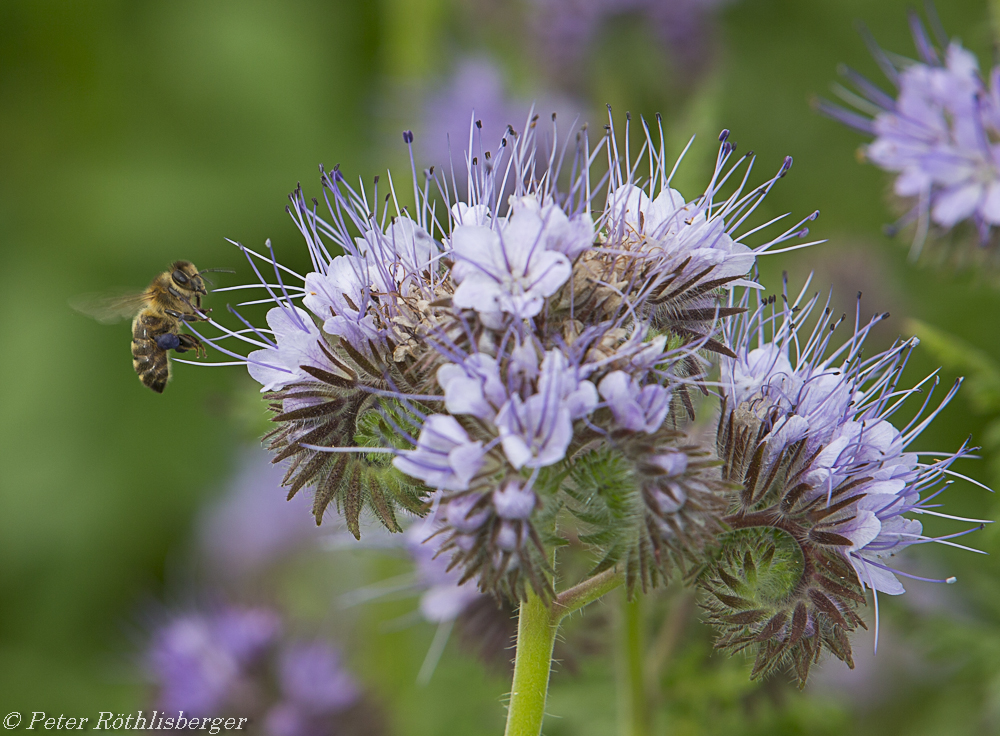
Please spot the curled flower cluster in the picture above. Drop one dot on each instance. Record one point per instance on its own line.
(236, 661)
(828, 483)
(531, 352)
(938, 132)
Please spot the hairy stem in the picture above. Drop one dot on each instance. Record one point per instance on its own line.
(537, 625)
(633, 703)
(582, 594)
(536, 635)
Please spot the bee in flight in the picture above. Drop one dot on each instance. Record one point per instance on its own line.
(173, 299)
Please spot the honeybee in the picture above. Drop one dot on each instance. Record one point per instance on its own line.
(173, 299)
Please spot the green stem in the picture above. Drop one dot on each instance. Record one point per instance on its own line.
(536, 635)
(582, 594)
(537, 625)
(633, 702)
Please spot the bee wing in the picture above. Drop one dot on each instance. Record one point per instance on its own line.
(110, 308)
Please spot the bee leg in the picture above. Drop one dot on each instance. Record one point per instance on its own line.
(197, 315)
(190, 342)
(189, 316)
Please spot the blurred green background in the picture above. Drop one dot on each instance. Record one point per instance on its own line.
(133, 134)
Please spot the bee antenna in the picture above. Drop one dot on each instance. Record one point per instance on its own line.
(217, 270)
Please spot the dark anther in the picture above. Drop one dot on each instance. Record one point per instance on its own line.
(376, 178)
(659, 118)
(407, 136)
(475, 160)
(430, 171)
(786, 165)
(487, 155)
(628, 115)
(723, 135)
(553, 117)
(479, 124)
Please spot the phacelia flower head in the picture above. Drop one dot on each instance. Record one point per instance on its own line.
(830, 486)
(237, 661)
(202, 662)
(937, 133)
(480, 345)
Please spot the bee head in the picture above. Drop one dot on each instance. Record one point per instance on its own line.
(185, 276)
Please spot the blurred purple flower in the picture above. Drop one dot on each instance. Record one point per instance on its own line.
(566, 29)
(443, 598)
(477, 90)
(236, 661)
(314, 687)
(938, 133)
(253, 524)
(200, 661)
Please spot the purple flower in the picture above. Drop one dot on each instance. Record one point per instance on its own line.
(838, 404)
(298, 343)
(445, 457)
(514, 501)
(476, 89)
(507, 271)
(312, 677)
(536, 432)
(938, 134)
(396, 258)
(462, 514)
(566, 28)
(340, 298)
(200, 660)
(254, 524)
(670, 232)
(444, 599)
(474, 387)
(634, 406)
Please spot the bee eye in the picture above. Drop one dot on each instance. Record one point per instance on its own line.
(179, 277)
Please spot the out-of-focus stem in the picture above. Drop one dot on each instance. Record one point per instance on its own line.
(995, 21)
(633, 704)
(663, 646)
(536, 635)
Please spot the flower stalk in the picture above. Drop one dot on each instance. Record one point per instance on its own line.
(536, 635)
(537, 626)
(633, 703)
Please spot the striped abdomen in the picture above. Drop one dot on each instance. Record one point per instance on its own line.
(148, 358)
